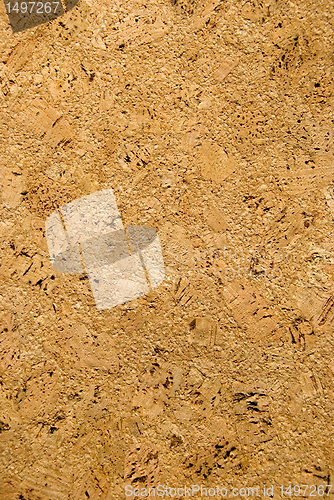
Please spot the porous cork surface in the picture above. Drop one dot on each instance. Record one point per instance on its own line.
(213, 123)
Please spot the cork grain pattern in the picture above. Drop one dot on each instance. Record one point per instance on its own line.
(212, 122)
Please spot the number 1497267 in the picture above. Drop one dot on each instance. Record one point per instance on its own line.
(305, 490)
(33, 7)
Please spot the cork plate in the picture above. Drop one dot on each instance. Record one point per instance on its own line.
(212, 122)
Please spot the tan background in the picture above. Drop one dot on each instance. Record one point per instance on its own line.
(213, 123)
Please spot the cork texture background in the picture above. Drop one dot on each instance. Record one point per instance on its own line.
(213, 124)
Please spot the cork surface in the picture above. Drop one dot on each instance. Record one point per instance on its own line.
(213, 124)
